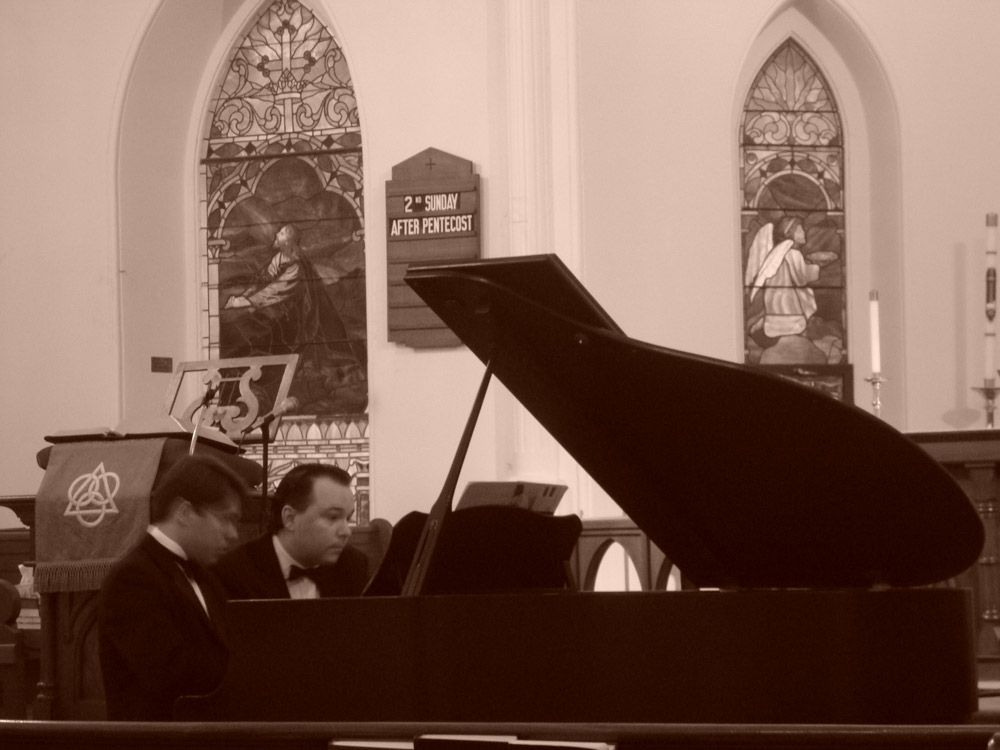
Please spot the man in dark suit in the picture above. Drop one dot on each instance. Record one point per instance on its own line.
(304, 555)
(160, 621)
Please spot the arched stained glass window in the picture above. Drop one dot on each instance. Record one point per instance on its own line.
(283, 261)
(792, 170)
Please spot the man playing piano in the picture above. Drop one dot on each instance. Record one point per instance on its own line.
(160, 621)
(304, 555)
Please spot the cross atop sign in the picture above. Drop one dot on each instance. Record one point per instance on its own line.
(432, 162)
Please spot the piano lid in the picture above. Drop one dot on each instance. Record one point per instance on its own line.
(742, 478)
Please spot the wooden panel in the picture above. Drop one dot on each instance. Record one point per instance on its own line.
(396, 273)
(432, 163)
(652, 566)
(414, 317)
(15, 549)
(973, 460)
(396, 188)
(432, 214)
(460, 248)
(403, 296)
(426, 338)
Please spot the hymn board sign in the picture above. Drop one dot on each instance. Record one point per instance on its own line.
(432, 213)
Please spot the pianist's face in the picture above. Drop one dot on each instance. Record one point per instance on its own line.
(211, 530)
(317, 534)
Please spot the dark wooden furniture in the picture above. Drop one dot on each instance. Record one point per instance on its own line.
(24, 508)
(973, 460)
(599, 534)
(12, 655)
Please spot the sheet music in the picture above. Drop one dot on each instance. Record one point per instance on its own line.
(537, 496)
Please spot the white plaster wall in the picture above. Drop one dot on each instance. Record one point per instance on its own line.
(944, 62)
(656, 86)
(157, 185)
(62, 63)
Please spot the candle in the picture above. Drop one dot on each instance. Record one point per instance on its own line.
(989, 360)
(873, 321)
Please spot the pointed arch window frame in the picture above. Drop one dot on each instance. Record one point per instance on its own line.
(244, 135)
(791, 148)
(286, 95)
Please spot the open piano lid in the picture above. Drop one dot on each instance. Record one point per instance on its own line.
(742, 478)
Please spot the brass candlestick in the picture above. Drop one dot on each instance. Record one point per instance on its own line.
(876, 380)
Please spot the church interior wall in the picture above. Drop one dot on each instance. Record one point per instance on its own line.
(103, 179)
(942, 72)
(63, 65)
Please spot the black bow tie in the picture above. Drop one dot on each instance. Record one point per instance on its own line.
(295, 573)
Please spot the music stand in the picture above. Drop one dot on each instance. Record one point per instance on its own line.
(247, 388)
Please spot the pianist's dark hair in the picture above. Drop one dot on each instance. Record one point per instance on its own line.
(295, 490)
(203, 481)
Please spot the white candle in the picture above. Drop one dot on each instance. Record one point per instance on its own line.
(990, 342)
(989, 362)
(873, 321)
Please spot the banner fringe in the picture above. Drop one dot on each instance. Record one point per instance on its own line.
(85, 575)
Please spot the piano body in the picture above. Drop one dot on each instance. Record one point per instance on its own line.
(824, 535)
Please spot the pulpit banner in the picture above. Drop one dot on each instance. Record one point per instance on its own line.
(92, 507)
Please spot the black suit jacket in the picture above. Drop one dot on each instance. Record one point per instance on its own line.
(252, 571)
(155, 641)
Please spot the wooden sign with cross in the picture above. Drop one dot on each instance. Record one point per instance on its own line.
(432, 213)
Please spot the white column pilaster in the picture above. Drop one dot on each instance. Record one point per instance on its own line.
(545, 200)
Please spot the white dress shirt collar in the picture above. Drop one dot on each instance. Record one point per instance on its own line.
(157, 533)
(300, 588)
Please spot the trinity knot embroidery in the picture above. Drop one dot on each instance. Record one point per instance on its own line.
(92, 496)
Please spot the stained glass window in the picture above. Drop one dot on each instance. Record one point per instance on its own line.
(792, 221)
(283, 261)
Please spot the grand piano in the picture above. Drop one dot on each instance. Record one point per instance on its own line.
(825, 534)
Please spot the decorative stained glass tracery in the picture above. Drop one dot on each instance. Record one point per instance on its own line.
(283, 261)
(792, 219)
(288, 75)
